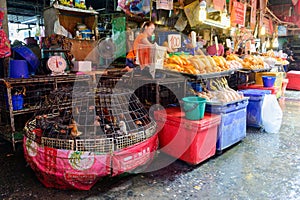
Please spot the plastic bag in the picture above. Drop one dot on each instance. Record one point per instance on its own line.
(4, 45)
(271, 114)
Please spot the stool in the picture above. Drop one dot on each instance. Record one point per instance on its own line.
(294, 80)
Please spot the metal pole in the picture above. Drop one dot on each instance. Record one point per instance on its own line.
(151, 4)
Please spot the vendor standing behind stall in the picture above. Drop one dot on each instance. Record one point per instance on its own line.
(147, 31)
(216, 49)
(191, 47)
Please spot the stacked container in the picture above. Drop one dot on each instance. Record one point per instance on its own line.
(192, 141)
(232, 128)
(254, 108)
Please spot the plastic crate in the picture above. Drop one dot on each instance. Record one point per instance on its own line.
(256, 97)
(294, 80)
(192, 141)
(232, 128)
(274, 89)
(151, 55)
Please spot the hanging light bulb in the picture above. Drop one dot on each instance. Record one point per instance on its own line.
(202, 11)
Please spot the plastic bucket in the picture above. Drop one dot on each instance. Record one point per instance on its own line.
(194, 107)
(22, 52)
(18, 69)
(268, 81)
(17, 102)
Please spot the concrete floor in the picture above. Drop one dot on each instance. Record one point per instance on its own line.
(262, 166)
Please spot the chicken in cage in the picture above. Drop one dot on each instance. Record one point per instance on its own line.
(89, 130)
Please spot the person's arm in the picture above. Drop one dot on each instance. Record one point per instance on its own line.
(146, 41)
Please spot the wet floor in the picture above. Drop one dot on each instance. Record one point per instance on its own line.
(262, 166)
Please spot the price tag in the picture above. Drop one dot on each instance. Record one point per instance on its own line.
(174, 41)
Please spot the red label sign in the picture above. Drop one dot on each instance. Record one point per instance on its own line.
(238, 13)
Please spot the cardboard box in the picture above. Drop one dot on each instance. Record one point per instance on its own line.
(82, 66)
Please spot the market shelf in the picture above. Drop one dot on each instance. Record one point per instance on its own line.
(21, 98)
(199, 76)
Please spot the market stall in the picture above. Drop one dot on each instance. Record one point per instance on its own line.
(87, 118)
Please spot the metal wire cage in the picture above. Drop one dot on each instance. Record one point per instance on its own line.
(103, 119)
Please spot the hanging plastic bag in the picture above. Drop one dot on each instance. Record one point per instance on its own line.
(271, 114)
(4, 45)
(181, 23)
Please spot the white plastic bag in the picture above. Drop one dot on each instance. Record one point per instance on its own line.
(271, 114)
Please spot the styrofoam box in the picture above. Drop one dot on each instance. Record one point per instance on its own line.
(82, 66)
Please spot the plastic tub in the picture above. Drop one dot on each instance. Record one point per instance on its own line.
(188, 140)
(268, 81)
(196, 86)
(18, 69)
(22, 52)
(194, 107)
